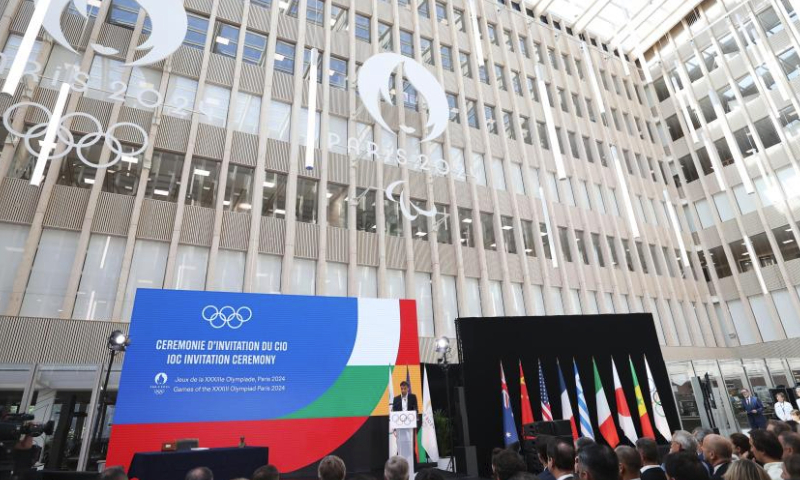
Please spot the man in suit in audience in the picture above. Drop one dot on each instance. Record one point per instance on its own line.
(542, 446)
(561, 459)
(718, 452)
(651, 467)
(630, 463)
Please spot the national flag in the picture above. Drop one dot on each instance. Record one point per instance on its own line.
(547, 414)
(583, 409)
(418, 451)
(623, 412)
(607, 426)
(659, 416)
(566, 405)
(392, 434)
(428, 435)
(509, 427)
(644, 417)
(525, 400)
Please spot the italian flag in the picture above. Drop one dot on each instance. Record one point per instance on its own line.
(623, 412)
(604, 419)
(644, 417)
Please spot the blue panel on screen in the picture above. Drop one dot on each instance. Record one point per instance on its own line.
(224, 340)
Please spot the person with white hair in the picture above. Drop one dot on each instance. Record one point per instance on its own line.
(683, 441)
(396, 468)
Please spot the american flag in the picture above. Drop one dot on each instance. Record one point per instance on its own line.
(547, 415)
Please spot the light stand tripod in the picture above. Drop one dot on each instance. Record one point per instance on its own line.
(443, 348)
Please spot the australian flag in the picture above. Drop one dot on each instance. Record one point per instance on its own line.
(509, 427)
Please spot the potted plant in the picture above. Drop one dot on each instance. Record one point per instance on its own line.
(444, 429)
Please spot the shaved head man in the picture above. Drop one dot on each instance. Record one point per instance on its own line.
(717, 451)
(629, 463)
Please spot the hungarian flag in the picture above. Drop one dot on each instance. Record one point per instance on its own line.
(583, 409)
(418, 451)
(607, 426)
(547, 414)
(659, 415)
(525, 400)
(392, 434)
(644, 417)
(623, 412)
(509, 427)
(566, 405)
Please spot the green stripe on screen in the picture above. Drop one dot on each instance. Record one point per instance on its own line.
(355, 394)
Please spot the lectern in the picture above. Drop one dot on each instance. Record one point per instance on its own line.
(403, 423)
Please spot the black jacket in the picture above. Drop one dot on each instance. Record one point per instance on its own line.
(397, 403)
(654, 474)
(546, 475)
(720, 471)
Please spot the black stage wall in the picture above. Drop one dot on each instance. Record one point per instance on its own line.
(484, 342)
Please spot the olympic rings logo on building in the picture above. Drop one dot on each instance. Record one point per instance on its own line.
(65, 137)
(227, 315)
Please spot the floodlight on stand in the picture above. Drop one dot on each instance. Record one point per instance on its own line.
(118, 341)
(443, 349)
(442, 345)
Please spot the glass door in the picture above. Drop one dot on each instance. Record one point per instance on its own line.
(62, 393)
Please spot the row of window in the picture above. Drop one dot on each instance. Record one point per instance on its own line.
(744, 142)
(100, 277)
(244, 115)
(165, 179)
(743, 255)
(768, 193)
(226, 38)
(787, 59)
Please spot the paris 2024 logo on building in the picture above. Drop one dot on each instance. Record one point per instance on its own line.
(373, 81)
(169, 25)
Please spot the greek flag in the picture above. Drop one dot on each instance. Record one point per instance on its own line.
(583, 410)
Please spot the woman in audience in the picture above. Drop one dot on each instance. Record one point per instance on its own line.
(745, 470)
(741, 446)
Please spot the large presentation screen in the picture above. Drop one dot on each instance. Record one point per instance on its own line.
(300, 375)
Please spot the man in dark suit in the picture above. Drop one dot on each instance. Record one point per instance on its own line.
(405, 401)
(542, 445)
(755, 410)
(651, 466)
(597, 462)
(717, 451)
(561, 459)
(630, 463)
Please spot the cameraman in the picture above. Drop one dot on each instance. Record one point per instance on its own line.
(21, 457)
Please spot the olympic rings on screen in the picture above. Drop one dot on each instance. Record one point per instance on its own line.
(227, 315)
(65, 136)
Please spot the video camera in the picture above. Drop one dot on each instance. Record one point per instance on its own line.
(13, 426)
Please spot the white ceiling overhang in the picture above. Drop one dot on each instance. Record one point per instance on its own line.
(631, 25)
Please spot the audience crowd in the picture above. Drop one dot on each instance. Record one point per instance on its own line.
(766, 454)
(772, 453)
